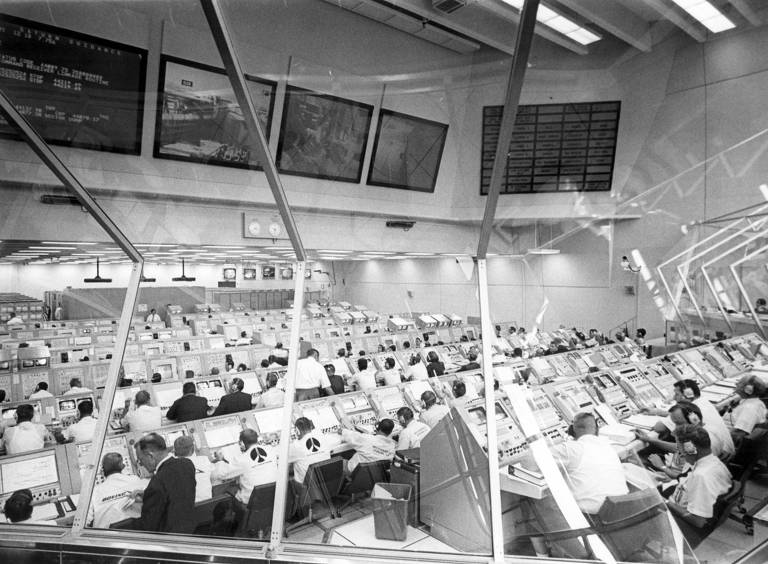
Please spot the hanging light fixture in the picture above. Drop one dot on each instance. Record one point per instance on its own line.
(183, 277)
(96, 279)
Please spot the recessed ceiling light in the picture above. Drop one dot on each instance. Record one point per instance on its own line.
(67, 243)
(543, 251)
(53, 248)
(223, 247)
(706, 14)
(548, 17)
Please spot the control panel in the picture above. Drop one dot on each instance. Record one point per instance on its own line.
(681, 369)
(561, 366)
(387, 401)
(571, 397)
(706, 372)
(662, 379)
(607, 390)
(190, 363)
(718, 358)
(578, 362)
(639, 387)
(321, 413)
(412, 391)
(357, 408)
(511, 442)
(547, 416)
(222, 435)
(542, 369)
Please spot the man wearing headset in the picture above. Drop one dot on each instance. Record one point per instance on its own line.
(751, 410)
(432, 412)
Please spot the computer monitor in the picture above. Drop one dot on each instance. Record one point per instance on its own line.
(166, 396)
(28, 472)
(269, 420)
(223, 435)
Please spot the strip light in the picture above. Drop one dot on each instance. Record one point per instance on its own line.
(548, 17)
(706, 14)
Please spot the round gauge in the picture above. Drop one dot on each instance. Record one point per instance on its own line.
(275, 229)
(254, 227)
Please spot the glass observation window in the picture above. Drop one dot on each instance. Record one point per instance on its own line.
(427, 281)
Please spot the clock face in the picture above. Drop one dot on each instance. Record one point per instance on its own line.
(275, 229)
(254, 228)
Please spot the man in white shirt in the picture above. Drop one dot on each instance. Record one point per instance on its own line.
(416, 369)
(153, 317)
(433, 412)
(58, 313)
(308, 448)
(112, 499)
(751, 411)
(390, 375)
(413, 431)
(256, 465)
(25, 435)
(365, 378)
(692, 503)
(13, 320)
(310, 377)
(590, 464)
(184, 447)
(340, 364)
(41, 391)
(370, 447)
(83, 430)
(144, 417)
(76, 387)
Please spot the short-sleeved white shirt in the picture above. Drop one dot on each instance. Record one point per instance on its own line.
(365, 379)
(411, 436)
(111, 497)
(312, 447)
(434, 414)
(749, 413)
(144, 418)
(368, 448)
(254, 467)
(310, 374)
(82, 431)
(698, 491)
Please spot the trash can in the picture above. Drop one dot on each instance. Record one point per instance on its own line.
(390, 510)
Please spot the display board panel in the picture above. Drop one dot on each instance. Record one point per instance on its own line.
(74, 89)
(554, 147)
(198, 118)
(323, 136)
(406, 152)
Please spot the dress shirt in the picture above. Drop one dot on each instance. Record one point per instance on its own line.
(391, 377)
(434, 414)
(310, 374)
(24, 437)
(341, 366)
(203, 469)
(698, 491)
(144, 418)
(749, 413)
(273, 397)
(714, 422)
(254, 467)
(417, 372)
(368, 448)
(592, 469)
(82, 431)
(365, 379)
(15, 321)
(76, 390)
(411, 436)
(112, 497)
(153, 318)
(40, 394)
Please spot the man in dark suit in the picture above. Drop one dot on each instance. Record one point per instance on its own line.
(235, 401)
(169, 500)
(188, 407)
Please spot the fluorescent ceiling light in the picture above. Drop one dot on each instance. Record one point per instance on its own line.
(66, 243)
(548, 17)
(154, 245)
(420, 254)
(54, 248)
(706, 14)
(543, 251)
(223, 247)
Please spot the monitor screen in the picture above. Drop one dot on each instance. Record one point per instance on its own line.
(477, 415)
(165, 398)
(249, 274)
(229, 273)
(171, 436)
(67, 405)
(221, 435)
(268, 421)
(322, 416)
(29, 473)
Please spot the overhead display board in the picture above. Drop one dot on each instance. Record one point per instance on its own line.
(74, 89)
(199, 119)
(554, 148)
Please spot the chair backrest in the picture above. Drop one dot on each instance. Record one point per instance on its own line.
(261, 496)
(634, 504)
(726, 502)
(327, 475)
(366, 474)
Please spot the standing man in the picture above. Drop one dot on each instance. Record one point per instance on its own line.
(153, 317)
(58, 312)
(337, 382)
(235, 401)
(169, 500)
(310, 377)
(189, 406)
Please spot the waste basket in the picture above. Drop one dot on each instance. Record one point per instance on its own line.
(390, 510)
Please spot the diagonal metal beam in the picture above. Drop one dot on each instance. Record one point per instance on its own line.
(743, 290)
(258, 140)
(746, 10)
(615, 19)
(59, 169)
(511, 103)
(676, 16)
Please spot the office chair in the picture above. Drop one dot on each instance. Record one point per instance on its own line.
(257, 521)
(321, 483)
(363, 478)
(634, 526)
(720, 513)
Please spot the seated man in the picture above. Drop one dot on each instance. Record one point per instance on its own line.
(235, 401)
(112, 498)
(692, 503)
(83, 430)
(144, 417)
(76, 387)
(25, 435)
(184, 447)
(310, 447)
(256, 465)
(18, 509)
(751, 410)
(365, 379)
(272, 396)
(41, 391)
(413, 431)
(370, 447)
(472, 364)
(189, 406)
(433, 412)
(390, 376)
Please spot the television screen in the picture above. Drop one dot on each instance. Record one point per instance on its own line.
(249, 274)
(268, 272)
(199, 120)
(286, 273)
(76, 90)
(229, 273)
